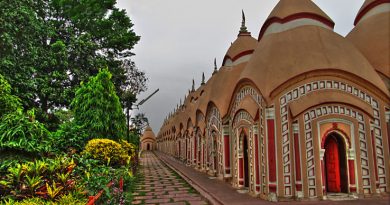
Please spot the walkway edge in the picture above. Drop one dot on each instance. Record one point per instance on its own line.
(212, 199)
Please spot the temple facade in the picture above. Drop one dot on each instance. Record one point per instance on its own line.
(148, 140)
(299, 113)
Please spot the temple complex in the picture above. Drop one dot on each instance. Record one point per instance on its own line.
(301, 112)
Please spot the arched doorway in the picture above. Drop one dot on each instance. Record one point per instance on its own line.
(246, 161)
(148, 146)
(335, 164)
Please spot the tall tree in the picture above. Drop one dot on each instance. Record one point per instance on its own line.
(97, 109)
(140, 122)
(47, 47)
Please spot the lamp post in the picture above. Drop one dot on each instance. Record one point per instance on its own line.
(137, 107)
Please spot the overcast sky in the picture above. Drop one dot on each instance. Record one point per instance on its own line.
(181, 38)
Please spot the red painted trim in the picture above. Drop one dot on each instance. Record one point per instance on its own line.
(271, 150)
(244, 53)
(257, 159)
(227, 151)
(93, 199)
(367, 9)
(298, 187)
(351, 165)
(297, 158)
(374, 153)
(272, 188)
(294, 17)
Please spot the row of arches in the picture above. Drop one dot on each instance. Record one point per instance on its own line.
(274, 153)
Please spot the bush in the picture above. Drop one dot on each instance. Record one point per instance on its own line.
(64, 200)
(97, 108)
(19, 131)
(8, 103)
(107, 151)
(49, 179)
(130, 148)
(70, 136)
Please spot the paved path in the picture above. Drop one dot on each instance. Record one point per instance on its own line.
(160, 185)
(219, 192)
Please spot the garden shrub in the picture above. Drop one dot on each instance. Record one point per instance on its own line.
(107, 151)
(48, 179)
(8, 102)
(129, 147)
(70, 137)
(19, 131)
(97, 108)
(68, 199)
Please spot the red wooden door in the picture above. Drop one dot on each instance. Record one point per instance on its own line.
(332, 166)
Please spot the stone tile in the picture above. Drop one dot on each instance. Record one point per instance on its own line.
(149, 201)
(136, 202)
(143, 197)
(191, 198)
(198, 203)
(174, 203)
(161, 185)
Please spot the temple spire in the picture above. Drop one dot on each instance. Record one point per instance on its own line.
(243, 28)
(215, 66)
(203, 79)
(193, 85)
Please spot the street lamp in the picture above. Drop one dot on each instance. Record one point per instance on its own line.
(137, 107)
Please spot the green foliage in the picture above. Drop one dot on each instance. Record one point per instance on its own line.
(47, 47)
(22, 132)
(97, 109)
(96, 176)
(70, 137)
(8, 102)
(134, 137)
(140, 121)
(107, 151)
(48, 179)
(129, 147)
(68, 199)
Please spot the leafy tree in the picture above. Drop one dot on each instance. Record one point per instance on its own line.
(47, 47)
(140, 122)
(97, 109)
(8, 102)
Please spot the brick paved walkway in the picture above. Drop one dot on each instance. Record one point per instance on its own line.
(160, 185)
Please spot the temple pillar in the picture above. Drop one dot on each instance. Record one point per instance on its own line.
(226, 151)
(272, 170)
(298, 175)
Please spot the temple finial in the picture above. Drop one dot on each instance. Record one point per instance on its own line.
(203, 79)
(243, 28)
(215, 66)
(193, 85)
